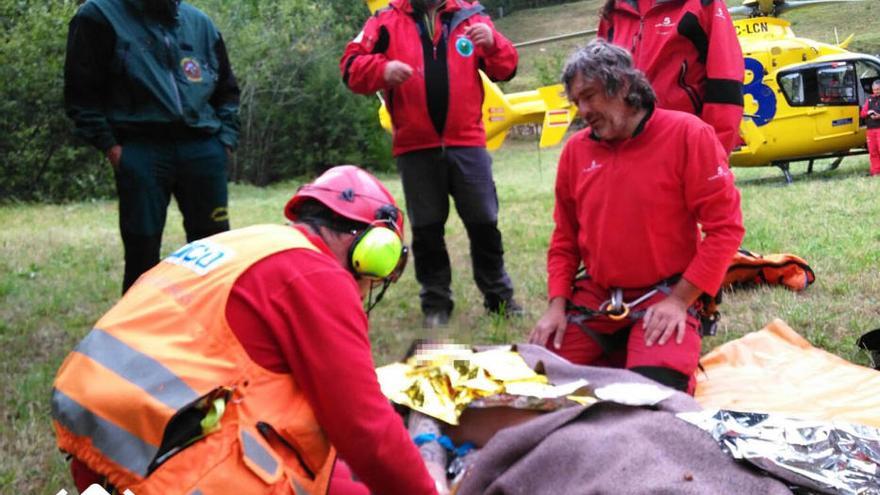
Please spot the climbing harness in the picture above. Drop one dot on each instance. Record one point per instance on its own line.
(616, 309)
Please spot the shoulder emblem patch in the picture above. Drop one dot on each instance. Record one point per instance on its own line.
(464, 46)
(191, 69)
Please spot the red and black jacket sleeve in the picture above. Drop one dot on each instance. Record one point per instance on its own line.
(723, 101)
(499, 62)
(363, 61)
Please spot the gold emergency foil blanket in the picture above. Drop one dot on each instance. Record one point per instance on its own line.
(442, 380)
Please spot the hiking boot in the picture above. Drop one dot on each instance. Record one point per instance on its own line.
(508, 309)
(436, 319)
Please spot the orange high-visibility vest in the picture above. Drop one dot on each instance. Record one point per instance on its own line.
(128, 400)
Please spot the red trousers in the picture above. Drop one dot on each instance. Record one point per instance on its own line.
(627, 351)
(874, 150)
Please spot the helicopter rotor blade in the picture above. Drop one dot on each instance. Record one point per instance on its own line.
(796, 4)
(550, 39)
(740, 10)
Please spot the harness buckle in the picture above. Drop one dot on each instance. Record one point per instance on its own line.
(615, 308)
(616, 315)
(709, 324)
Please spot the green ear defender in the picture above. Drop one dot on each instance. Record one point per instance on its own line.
(376, 252)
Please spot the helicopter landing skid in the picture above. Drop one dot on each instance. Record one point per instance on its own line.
(832, 166)
(784, 166)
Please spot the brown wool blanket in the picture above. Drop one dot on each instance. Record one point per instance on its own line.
(608, 448)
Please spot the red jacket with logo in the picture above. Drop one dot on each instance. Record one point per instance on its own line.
(630, 210)
(690, 53)
(441, 104)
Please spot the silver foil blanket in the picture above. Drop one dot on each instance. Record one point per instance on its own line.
(829, 458)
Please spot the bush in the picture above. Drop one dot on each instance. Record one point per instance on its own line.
(297, 117)
(41, 158)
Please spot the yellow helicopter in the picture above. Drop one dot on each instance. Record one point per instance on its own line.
(802, 97)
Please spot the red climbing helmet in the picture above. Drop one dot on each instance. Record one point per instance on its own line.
(353, 193)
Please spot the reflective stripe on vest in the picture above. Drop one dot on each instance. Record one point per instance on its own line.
(297, 488)
(258, 455)
(137, 368)
(118, 445)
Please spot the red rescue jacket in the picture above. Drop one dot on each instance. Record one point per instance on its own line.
(689, 51)
(441, 103)
(872, 103)
(638, 211)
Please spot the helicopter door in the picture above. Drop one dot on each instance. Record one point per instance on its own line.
(867, 71)
(838, 100)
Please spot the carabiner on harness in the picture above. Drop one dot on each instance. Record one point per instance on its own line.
(616, 309)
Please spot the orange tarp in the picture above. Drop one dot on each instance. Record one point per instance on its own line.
(775, 370)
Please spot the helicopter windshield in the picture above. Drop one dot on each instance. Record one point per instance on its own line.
(826, 84)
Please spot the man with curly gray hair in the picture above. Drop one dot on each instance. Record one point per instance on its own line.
(632, 191)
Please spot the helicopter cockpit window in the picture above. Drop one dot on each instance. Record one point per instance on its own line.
(837, 85)
(793, 87)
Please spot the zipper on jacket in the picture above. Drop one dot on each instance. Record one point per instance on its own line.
(172, 78)
(445, 35)
(637, 42)
(691, 92)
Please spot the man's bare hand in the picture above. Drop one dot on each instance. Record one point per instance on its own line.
(396, 72)
(114, 154)
(665, 319)
(552, 324)
(481, 34)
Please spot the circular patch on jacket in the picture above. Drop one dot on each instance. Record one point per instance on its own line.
(464, 46)
(191, 69)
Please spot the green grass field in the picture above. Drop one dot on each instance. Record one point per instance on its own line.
(61, 268)
(61, 265)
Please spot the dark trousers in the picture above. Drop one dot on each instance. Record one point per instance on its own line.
(429, 177)
(151, 170)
